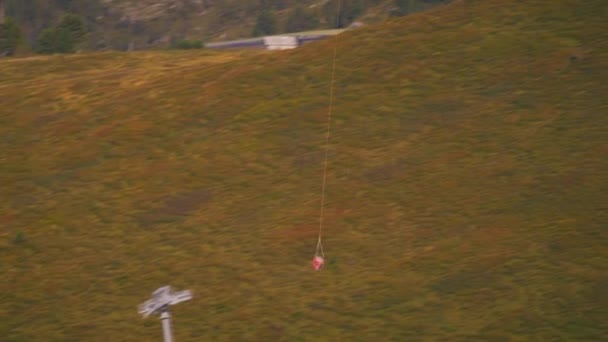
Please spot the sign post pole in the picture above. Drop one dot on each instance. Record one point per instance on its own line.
(161, 299)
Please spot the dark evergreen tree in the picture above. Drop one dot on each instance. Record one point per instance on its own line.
(10, 37)
(266, 24)
(74, 25)
(63, 38)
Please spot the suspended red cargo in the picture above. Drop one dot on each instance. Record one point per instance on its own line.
(318, 262)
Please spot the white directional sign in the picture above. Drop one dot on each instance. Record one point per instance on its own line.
(180, 296)
(161, 299)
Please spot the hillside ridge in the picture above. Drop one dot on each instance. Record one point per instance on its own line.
(465, 188)
(127, 24)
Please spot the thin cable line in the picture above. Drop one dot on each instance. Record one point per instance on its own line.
(331, 100)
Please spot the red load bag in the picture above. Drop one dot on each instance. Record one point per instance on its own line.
(318, 262)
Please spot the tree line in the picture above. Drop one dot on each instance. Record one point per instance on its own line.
(66, 26)
(64, 37)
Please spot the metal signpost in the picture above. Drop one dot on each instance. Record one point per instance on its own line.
(159, 303)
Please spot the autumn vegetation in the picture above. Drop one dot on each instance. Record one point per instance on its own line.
(466, 192)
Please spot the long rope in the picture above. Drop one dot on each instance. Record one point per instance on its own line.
(319, 250)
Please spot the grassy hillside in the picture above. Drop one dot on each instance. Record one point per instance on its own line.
(466, 195)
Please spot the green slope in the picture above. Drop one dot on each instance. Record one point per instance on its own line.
(465, 196)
